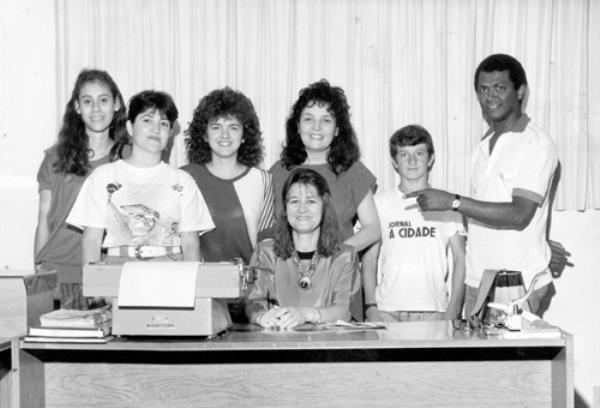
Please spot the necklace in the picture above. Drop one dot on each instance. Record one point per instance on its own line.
(305, 273)
(99, 152)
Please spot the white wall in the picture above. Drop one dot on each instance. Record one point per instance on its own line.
(28, 124)
(577, 302)
(27, 120)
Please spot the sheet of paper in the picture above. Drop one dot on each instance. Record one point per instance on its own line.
(158, 284)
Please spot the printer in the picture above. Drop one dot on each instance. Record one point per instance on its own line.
(167, 298)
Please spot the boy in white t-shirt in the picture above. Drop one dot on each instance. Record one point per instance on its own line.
(144, 209)
(405, 274)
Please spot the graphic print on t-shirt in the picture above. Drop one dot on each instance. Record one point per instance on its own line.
(404, 229)
(143, 214)
(413, 265)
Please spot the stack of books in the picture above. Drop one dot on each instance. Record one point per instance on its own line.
(73, 326)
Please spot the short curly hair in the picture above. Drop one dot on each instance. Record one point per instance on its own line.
(502, 62)
(344, 147)
(329, 237)
(223, 103)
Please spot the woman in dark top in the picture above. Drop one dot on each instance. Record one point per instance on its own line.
(224, 150)
(92, 133)
(319, 136)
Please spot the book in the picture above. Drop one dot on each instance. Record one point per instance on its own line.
(39, 339)
(69, 318)
(341, 324)
(79, 332)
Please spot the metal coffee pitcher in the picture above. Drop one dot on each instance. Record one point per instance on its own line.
(509, 298)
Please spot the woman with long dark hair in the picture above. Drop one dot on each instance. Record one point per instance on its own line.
(306, 274)
(92, 132)
(319, 136)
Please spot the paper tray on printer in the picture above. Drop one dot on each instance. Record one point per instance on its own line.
(214, 279)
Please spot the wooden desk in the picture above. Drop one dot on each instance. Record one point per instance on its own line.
(425, 364)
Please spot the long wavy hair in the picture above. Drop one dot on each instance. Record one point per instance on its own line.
(73, 141)
(344, 147)
(329, 237)
(223, 103)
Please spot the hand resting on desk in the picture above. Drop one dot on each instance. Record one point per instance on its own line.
(285, 318)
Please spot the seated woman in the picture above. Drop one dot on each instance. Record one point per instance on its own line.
(312, 275)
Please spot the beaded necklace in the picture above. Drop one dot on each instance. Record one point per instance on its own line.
(305, 273)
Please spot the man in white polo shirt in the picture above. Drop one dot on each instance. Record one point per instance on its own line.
(511, 174)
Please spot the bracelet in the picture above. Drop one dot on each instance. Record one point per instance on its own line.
(367, 306)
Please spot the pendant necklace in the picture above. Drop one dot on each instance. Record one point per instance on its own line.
(305, 273)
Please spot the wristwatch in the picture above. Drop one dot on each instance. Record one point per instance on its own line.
(456, 203)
